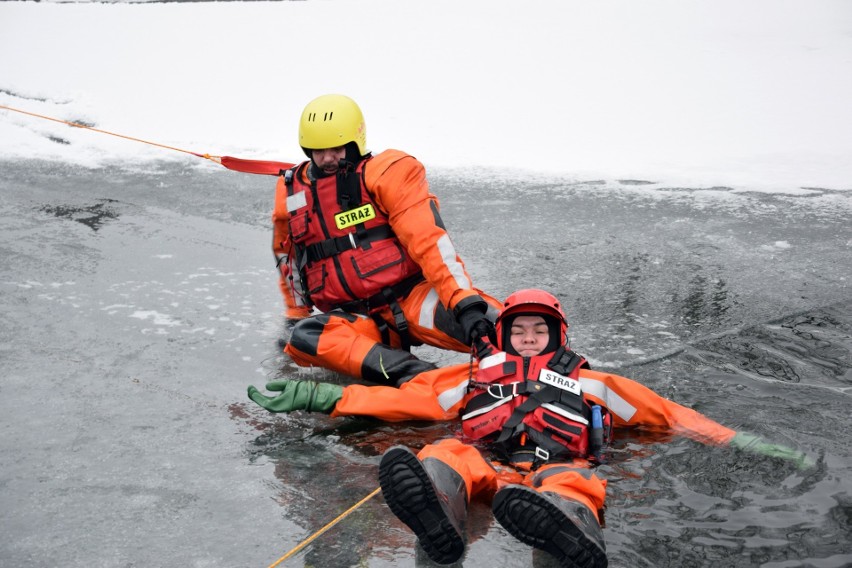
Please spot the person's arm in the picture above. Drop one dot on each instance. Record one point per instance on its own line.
(433, 395)
(398, 183)
(282, 248)
(633, 404)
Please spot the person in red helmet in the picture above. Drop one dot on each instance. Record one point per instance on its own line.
(367, 268)
(540, 414)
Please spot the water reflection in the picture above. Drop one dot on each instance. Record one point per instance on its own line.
(811, 347)
(672, 502)
(93, 216)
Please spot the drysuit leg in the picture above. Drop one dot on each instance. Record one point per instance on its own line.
(430, 322)
(577, 483)
(556, 510)
(350, 345)
(429, 497)
(479, 476)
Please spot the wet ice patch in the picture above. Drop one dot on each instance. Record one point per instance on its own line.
(777, 245)
(155, 331)
(112, 309)
(205, 330)
(28, 284)
(156, 317)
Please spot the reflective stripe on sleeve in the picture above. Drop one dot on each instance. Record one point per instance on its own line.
(427, 310)
(612, 400)
(448, 254)
(449, 398)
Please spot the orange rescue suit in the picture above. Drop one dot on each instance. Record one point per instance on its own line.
(442, 393)
(309, 221)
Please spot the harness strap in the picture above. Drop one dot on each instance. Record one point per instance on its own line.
(539, 450)
(288, 179)
(360, 229)
(390, 297)
(398, 318)
(564, 361)
(336, 245)
(348, 185)
(399, 291)
(514, 425)
(384, 329)
(503, 390)
(298, 251)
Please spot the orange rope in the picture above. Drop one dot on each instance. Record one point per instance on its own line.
(216, 159)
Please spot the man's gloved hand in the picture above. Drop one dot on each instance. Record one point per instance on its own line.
(298, 395)
(475, 323)
(483, 347)
(756, 445)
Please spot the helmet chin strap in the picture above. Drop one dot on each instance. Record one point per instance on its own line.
(352, 154)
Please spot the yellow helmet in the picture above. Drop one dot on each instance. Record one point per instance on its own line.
(330, 121)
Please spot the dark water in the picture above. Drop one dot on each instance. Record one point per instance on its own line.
(135, 307)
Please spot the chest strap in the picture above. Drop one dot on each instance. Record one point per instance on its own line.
(336, 245)
(542, 394)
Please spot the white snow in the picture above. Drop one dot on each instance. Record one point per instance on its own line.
(693, 93)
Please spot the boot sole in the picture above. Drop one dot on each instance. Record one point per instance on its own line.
(534, 520)
(409, 493)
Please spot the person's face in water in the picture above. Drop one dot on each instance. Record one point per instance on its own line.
(529, 335)
(327, 160)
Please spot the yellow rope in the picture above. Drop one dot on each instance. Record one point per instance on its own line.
(79, 125)
(325, 528)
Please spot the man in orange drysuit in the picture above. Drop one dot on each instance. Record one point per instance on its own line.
(359, 238)
(542, 412)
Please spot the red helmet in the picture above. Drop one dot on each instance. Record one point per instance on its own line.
(532, 301)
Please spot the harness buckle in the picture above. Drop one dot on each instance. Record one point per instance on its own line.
(500, 387)
(352, 240)
(513, 394)
(542, 454)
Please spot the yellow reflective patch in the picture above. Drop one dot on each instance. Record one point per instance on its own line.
(354, 216)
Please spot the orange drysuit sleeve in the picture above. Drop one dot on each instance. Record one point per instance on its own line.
(282, 247)
(439, 395)
(633, 404)
(432, 395)
(398, 183)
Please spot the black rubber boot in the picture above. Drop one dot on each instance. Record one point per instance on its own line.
(429, 497)
(563, 527)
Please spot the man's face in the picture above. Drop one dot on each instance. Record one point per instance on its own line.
(327, 160)
(529, 335)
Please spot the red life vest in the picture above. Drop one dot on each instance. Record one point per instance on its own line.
(344, 247)
(533, 403)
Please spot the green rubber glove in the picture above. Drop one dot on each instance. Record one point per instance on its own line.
(756, 445)
(298, 395)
